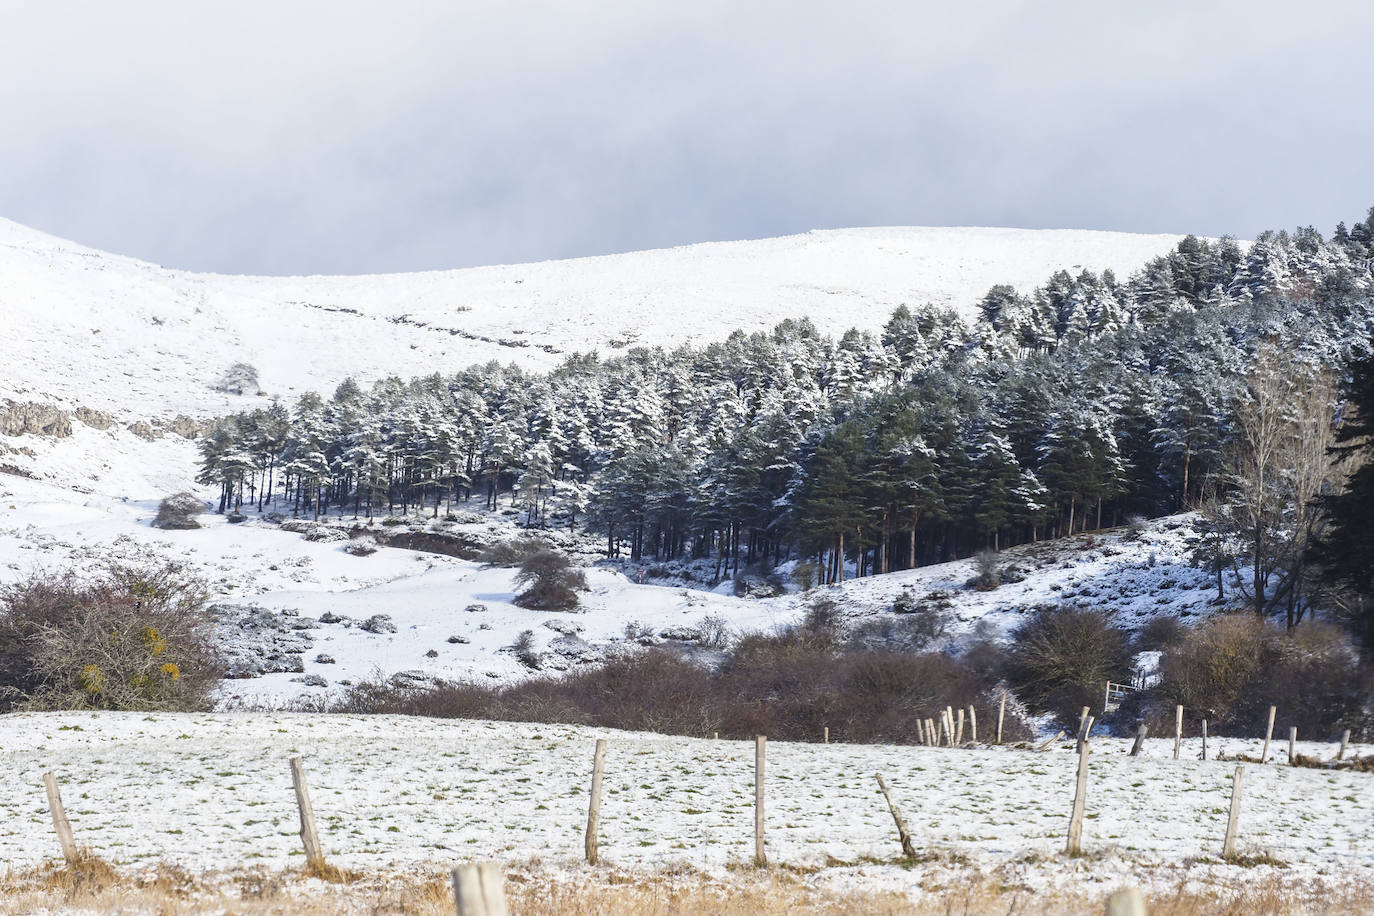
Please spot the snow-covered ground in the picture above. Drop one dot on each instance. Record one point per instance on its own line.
(86, 328)
(462, 611)
(213, 791)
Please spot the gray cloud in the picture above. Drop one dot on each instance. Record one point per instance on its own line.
(359, 137)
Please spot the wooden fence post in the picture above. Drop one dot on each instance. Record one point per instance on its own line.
(1345, 740)
(1001, 714)
(1292, 745)
(59, 818)
(480, 890)
(1204, 739)
(907, 849)
(827, 734)
(1127, 902)
(1074, 846)
(959, 730)
(1106, 697)
(1085, 729)
(949, 714)
(1228, 848)
(1268, 734)
(1141, 731)
(1051, 741)
(594, 806)
(972, 724)
(1178, 730)
(1082, 717)
(760, 749)
(314, 855)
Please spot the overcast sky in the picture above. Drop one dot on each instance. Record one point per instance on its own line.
(347, 137)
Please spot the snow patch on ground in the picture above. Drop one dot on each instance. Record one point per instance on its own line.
(213, 791)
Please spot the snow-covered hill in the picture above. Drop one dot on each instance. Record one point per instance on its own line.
(82, 328)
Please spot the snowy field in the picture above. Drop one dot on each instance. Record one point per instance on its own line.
(214, 791)
(87, 328)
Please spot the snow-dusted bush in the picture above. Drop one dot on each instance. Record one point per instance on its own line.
(240, 378)
(524, 650)
(715, 632)
(131, 638)
(549, 581)
(179, 512)
(512, 551)
(361, 547)
(987, 573)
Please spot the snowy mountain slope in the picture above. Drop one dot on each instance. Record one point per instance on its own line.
(86, 328)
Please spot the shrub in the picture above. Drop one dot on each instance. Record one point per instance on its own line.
(130, 638)
(987, 572)
(1234, 667)
(788, 686)
(178, 512)
(715, 632)
(240, 378)
(1159, 633)
(361, 547)
(550, 582)
(524, 650)
(1060, 660)
(805, 575)
(512, 551)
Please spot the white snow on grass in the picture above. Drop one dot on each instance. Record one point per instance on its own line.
(86, 328)
(214, 791)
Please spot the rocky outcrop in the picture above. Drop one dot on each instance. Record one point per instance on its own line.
(256, 641)
(95, 419)
(144, 430)
(32, 418)
(183, 426)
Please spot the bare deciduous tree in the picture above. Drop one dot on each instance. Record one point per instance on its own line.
(1279, 465)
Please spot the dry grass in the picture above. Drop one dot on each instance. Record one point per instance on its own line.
(92, 886)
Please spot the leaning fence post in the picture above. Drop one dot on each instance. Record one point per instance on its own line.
(1292, 745)
(59, 818)
(594, 807)
(1268, 734)
(1001, 714)
(479, 890)
(1141, 731)
(1228, 848)
(1050, 741)
(907, 849)
(314, 856)
(1345, 740)
(760, 750)
(1080, 798)
(1178, 729)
